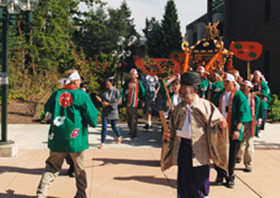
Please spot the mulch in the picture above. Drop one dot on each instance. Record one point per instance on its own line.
(19, 113)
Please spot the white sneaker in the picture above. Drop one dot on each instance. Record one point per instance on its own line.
(259, 135)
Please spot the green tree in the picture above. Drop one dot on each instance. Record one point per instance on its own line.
(98, 31)
(41, 50)
(62, 37)
(128, 20)
(90, 36)
(153, 33)
(172, 37)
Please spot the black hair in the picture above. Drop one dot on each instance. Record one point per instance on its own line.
(111, 81)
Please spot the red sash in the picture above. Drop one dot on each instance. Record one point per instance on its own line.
(253, 111)
(70, 87)
(229, 113)
(136, 93)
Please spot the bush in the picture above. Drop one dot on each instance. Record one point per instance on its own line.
(43, 117)
(140, 113)
(274, 108)
(122, 114)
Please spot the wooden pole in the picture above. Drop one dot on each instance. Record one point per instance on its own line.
(248, 71)
(167, 92)
(164, 124)
(161, 113)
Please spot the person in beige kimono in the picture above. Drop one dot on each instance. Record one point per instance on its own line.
(197, 133)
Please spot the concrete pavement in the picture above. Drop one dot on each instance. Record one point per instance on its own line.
(130, 170)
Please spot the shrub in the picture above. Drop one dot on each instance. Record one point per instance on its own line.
(43, 117)
(140, 113)
(122, 114)
(274, 108)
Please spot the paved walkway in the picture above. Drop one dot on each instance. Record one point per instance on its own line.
(130, 170)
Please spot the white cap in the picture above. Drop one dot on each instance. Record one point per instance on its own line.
(133, 71)
(200, 69)
(229, 77)
(247, 83)
(236, 73)
(257, 72)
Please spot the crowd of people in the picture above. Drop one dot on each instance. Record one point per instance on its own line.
(210, 119)
(234, 105)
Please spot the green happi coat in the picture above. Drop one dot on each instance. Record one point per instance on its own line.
(203, 87)
(266, 95)
(125, 90)
(70, 111)
(216, 88)
(240, 111)
(259, 113)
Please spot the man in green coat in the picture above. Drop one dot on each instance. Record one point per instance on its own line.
(234, 106)
(262, 90)
(250, 127)
(216, 85)
(132, 93)
(203, 87)
(69, 110)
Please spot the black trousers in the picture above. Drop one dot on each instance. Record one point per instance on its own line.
(192, 182)
(234, 146)
(263, 120)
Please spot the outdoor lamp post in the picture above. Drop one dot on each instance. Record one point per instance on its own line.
(122, 54)
(9, 9)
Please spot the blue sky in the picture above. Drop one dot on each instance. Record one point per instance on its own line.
(188, 10)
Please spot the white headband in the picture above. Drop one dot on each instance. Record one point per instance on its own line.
(258, 73)
(248, 83)
(73, 76)
(229, 77)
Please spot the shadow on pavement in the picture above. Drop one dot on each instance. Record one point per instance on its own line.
(32, 171)
(10, 193)
(150, 180)
(107, 161)
(151, 137)
(262, 145)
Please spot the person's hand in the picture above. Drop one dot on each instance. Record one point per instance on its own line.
(168, 103)
(166, 136)
(155, 97)
(120, 102)
(235, 135)
(98, 98)
(105, 104)
(142, 104)
(222, 123)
